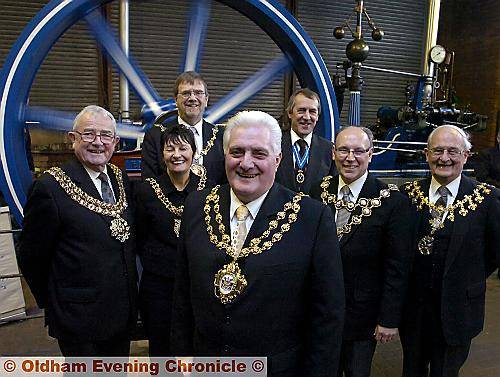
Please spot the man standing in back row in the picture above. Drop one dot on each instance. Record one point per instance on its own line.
(191, 98)
(374, 230)
(458, 238)
(306, 157)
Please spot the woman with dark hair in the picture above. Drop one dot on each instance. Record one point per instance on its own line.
(159, 206)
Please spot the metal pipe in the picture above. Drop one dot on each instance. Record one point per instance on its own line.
(431, 35)
(124, 41)
(400, 142)
(9, 231)
(359, 19)
(396, 149)
(391, 71)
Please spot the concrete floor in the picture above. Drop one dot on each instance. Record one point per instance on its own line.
(29, 337)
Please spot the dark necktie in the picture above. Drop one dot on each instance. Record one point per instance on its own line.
(441, 202)
(302, 151)
(106, 193)
(343, 214)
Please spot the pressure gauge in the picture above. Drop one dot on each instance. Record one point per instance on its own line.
(437, 54)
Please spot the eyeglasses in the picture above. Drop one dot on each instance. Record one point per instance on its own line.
(344, 152)
(90, 136)
(452, 152)
(187, 93)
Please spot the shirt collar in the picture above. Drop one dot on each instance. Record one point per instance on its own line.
(253, 206)
(296, 137)
(355, 186)
(198, 125)
(95, 174)
(452, 187)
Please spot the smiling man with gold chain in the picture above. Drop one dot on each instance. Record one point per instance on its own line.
(77, 244)
(373, 226)
(457, 247)
(259, 270)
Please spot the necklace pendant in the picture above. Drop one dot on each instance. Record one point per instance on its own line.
(198, 169)
(120, 229)
(229, 282)
(177, 227)
(300, 176)
(425, 245)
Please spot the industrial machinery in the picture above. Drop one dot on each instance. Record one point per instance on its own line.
(401, 134)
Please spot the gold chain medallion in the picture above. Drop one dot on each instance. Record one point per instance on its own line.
(229, 281)
(175, 210)
(468, 203)
(119, 227)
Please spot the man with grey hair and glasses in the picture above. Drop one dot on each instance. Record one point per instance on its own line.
(456, 249)
(77, 244)
(258, 271)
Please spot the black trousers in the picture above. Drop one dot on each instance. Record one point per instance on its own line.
(118, 346)
(425, 352)
(356, 358)
(155, 300)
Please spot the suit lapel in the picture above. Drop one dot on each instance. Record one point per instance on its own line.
(206, 133)
(76, 171)
(369, 190)
(314, 165)
(224, 205)
(460, 226)
(423, 215)
(286, 165)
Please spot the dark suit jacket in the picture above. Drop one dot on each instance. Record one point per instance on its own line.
(152, 164)
(376, 257)
(84, 278)
(293, 307)
(472, 255)
(488, 166)
(156, 239)
(320, 163)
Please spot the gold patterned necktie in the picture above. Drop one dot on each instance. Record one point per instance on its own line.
(106, 193)
(343, 214)
(242, 213)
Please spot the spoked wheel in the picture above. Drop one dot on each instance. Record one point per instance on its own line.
(37, 39)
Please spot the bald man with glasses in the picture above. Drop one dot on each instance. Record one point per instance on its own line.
(374, 228)
(457, 238)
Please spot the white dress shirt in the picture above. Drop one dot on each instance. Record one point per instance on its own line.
(452, 194)
(253, 208)
(355, 188)
(97, 182)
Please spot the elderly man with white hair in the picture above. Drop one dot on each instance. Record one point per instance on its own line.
(259, 270)
(456, 249)
(77, 247)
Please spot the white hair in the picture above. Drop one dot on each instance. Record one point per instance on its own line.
(254, 119)
(91, 110)
(465, 135)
